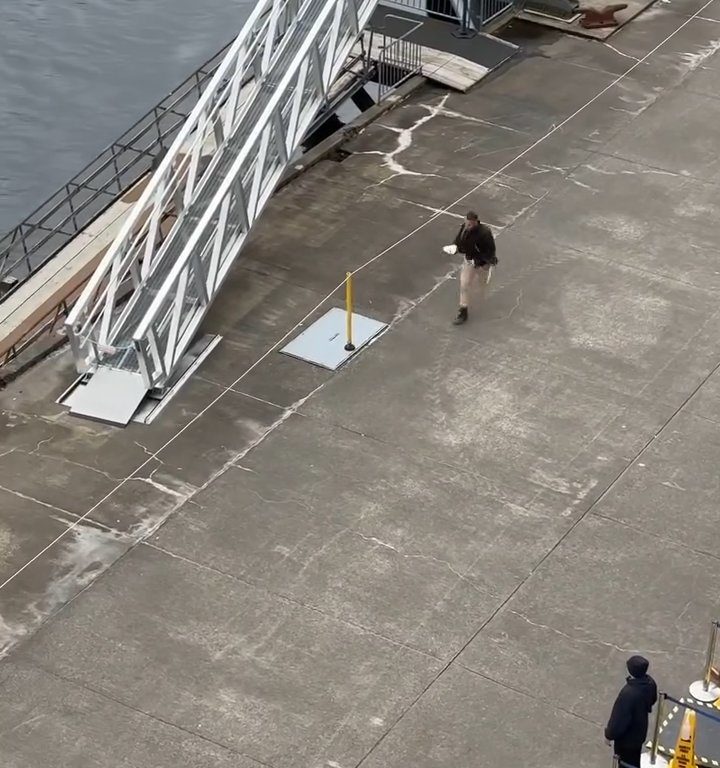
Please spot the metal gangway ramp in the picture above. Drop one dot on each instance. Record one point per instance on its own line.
(142, 308)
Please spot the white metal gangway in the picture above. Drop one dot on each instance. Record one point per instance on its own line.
(143, 306)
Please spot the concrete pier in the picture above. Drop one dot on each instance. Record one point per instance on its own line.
(442, 554)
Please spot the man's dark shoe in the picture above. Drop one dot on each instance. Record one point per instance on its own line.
(461, 317)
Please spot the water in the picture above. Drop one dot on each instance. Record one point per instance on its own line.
(75, 74)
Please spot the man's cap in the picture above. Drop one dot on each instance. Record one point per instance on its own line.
(637, 666)
(472, 216)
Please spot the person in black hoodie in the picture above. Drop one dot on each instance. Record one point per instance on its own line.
(476, 243)
(628, 724)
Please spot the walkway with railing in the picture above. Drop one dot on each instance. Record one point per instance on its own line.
(47, 230)
(143, 306)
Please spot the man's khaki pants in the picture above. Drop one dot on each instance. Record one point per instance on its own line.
(473, 279)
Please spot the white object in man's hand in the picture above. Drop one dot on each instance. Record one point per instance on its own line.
(451, 250)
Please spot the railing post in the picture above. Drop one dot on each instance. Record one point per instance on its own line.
(710, 655)
(465, 31)
(656, 728)
(705, 689)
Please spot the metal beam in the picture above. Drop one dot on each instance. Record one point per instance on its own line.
(224, 166)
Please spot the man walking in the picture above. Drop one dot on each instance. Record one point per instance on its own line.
(628, 723)
(476, 243)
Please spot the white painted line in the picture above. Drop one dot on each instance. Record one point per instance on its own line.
(370, 261)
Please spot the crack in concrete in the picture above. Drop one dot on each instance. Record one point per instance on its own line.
(65, 460)
(150, 480)
(36, 449)
(603, 643)
(289, 500)
(442, 110)
(535, 201)
(417, 556)
(436, 211)
(621, 53)
(517, 304)
(146, 450)
(499, 150)
(404, 142)
(545, 168)
(46, 504)
(404, 309)
(582, 185)
(642, 169)
(521, 192)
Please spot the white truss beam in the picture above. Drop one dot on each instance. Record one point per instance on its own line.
(142, 307)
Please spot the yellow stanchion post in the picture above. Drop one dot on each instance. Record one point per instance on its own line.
(707, 689)
(349, 347)
(684, 756)
(659, 713)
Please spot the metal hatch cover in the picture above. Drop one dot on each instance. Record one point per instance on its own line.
(323, 343)
(110, 395)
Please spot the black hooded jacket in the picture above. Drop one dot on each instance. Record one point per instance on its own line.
(628, 722)
(477, 245)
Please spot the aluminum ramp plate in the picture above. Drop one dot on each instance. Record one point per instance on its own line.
(323, 343)
(110, 395)
(707, 733)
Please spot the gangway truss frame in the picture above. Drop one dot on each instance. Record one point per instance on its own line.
(144, 304)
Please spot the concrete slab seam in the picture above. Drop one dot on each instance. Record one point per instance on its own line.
(370, 261)
(248, 582)
(156, 718)
(528, 695)
(658, 537)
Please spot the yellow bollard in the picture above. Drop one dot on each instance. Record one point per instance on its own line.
(349, 347)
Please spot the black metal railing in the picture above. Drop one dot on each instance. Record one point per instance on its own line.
(469, 15)
(43, 234)
(398, 59)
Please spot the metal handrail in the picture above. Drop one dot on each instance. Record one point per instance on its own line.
(399, 58)
(214, 182)
(469, 15)
(93, 309)
(157, 313)
(49, 228)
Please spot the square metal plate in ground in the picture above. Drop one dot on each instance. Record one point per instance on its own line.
(117, 396)
(323, 343)
(110, 395)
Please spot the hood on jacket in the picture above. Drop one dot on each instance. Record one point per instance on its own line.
(637, 666)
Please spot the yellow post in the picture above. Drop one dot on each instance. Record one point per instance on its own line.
(684, 756)
(349, 347)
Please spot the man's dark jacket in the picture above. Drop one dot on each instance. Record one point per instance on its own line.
(628, 722)
(477, 245)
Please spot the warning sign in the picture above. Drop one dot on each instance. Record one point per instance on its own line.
(685, 748)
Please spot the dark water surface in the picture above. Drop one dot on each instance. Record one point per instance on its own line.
(75, 74)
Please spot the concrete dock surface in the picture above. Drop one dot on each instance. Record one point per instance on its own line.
(441, 555)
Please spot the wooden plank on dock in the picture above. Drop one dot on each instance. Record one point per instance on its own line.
(450, 70)
(441, 67)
